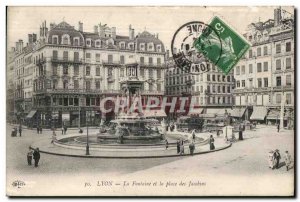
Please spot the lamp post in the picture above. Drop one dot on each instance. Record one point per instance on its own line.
(87, 150)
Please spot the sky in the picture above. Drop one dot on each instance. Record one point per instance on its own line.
(163, 20)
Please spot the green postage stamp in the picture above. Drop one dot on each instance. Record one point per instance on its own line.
(221, 45)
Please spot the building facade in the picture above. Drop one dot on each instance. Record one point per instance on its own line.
(69, 71)
(265, 76)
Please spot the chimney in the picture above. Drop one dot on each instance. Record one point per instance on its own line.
(277, 16)
(96, 29)
(41, 31)
(30, 41)
(20, 45)
(33, 37)
(157, 35)
(80, 26)
(131, 33)
(17, 47)
(167, 54)
(52, 26)
(113, 32)
(101, 31)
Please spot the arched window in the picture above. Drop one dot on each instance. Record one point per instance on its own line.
(76, 42)
(65, 39)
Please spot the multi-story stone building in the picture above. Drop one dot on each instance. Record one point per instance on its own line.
(74, 70)
(10, 85)
(212, 89)
(265, 76)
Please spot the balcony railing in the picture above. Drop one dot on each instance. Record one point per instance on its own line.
(66, 60)
(111, 63)
(76, 91)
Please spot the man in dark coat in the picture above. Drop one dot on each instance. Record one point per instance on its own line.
(241, 133)
(20, 131)
(192, 148)
(277, 158)
(178, 146)
(36, 157)
(278, 127)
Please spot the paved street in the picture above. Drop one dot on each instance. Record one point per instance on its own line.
(246, 158)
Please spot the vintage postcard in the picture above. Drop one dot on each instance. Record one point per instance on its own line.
(150, 101)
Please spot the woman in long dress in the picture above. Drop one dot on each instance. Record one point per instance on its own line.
(211, 143)
(271, 159)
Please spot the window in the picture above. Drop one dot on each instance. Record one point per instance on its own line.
(122, 45)
(265, 66)
(122, 59)
(266, 84)
(98, 44)
(76, 56)
(97, 85)
(76, 84)
(87, 85)
(150, 73)
(258, 51)
(243, 69)
(158, 61)
(88, 42)
(238, 70)
(228, 89)
(88, 71)
(65, 55)
(150, 60)
(76, 70)
(243, 83)
(250, 83)
(238, 84)
(278, 81)
(265, 50)
(97, 57)
(54, 70)
(258, 67)
(250, 68)
(278, 98)
(97, 71)
(65, 40)
(88, 56)
(228, 78)
(71, 101)
(142, 72)
(76, 42)
(288, 80)
(288, 98)
(213, 77)
(158, 73)
(54, 55)
(278, 64)
(259, 83)
(278, 48)
(55, 41)
(65, 69)
(288, 46)
(110, 58)
(142, 60)
(66, 101)
(250, 54)
(219, 89)
(65, 84)
(288, 63)
(208, 77)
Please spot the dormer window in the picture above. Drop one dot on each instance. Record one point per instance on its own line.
(88, 42)
(158, 48)
(142, 47)
(55, 39)
(122, 45)
(76, 41)
(131, 46)
(150, 47)
(65, 39)
(98, 43)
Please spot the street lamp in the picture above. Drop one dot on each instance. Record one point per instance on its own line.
(87, 150)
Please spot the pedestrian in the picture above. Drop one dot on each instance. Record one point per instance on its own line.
(277, 158)
(193, 135)
(167, 144)
(38, 129)
(178, 146)
(20, 130)
(62, 130)
(41, 129)
(287, 160)
(53, 137)
(181, 148)
(192, 148)
(65, 129)
(240, 133)
(36, 157)
(271, 159)
(211, 143)
(278, 127)
(29, 156)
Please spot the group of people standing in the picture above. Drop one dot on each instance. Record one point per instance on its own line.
(180, 147)
(33, 154)
(274, 159)
(39, 129)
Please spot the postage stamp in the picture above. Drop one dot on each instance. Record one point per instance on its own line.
(232, 46)
(185, 55)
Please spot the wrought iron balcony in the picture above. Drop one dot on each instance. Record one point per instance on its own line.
(66, 60)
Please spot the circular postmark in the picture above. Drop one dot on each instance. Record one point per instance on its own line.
(194, 40)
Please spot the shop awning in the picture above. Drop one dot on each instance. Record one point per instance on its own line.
(212, 110)
(259, 113)
(275, 114)
(31, 114)
(154, 113)
(195, 111)
(237, 112)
